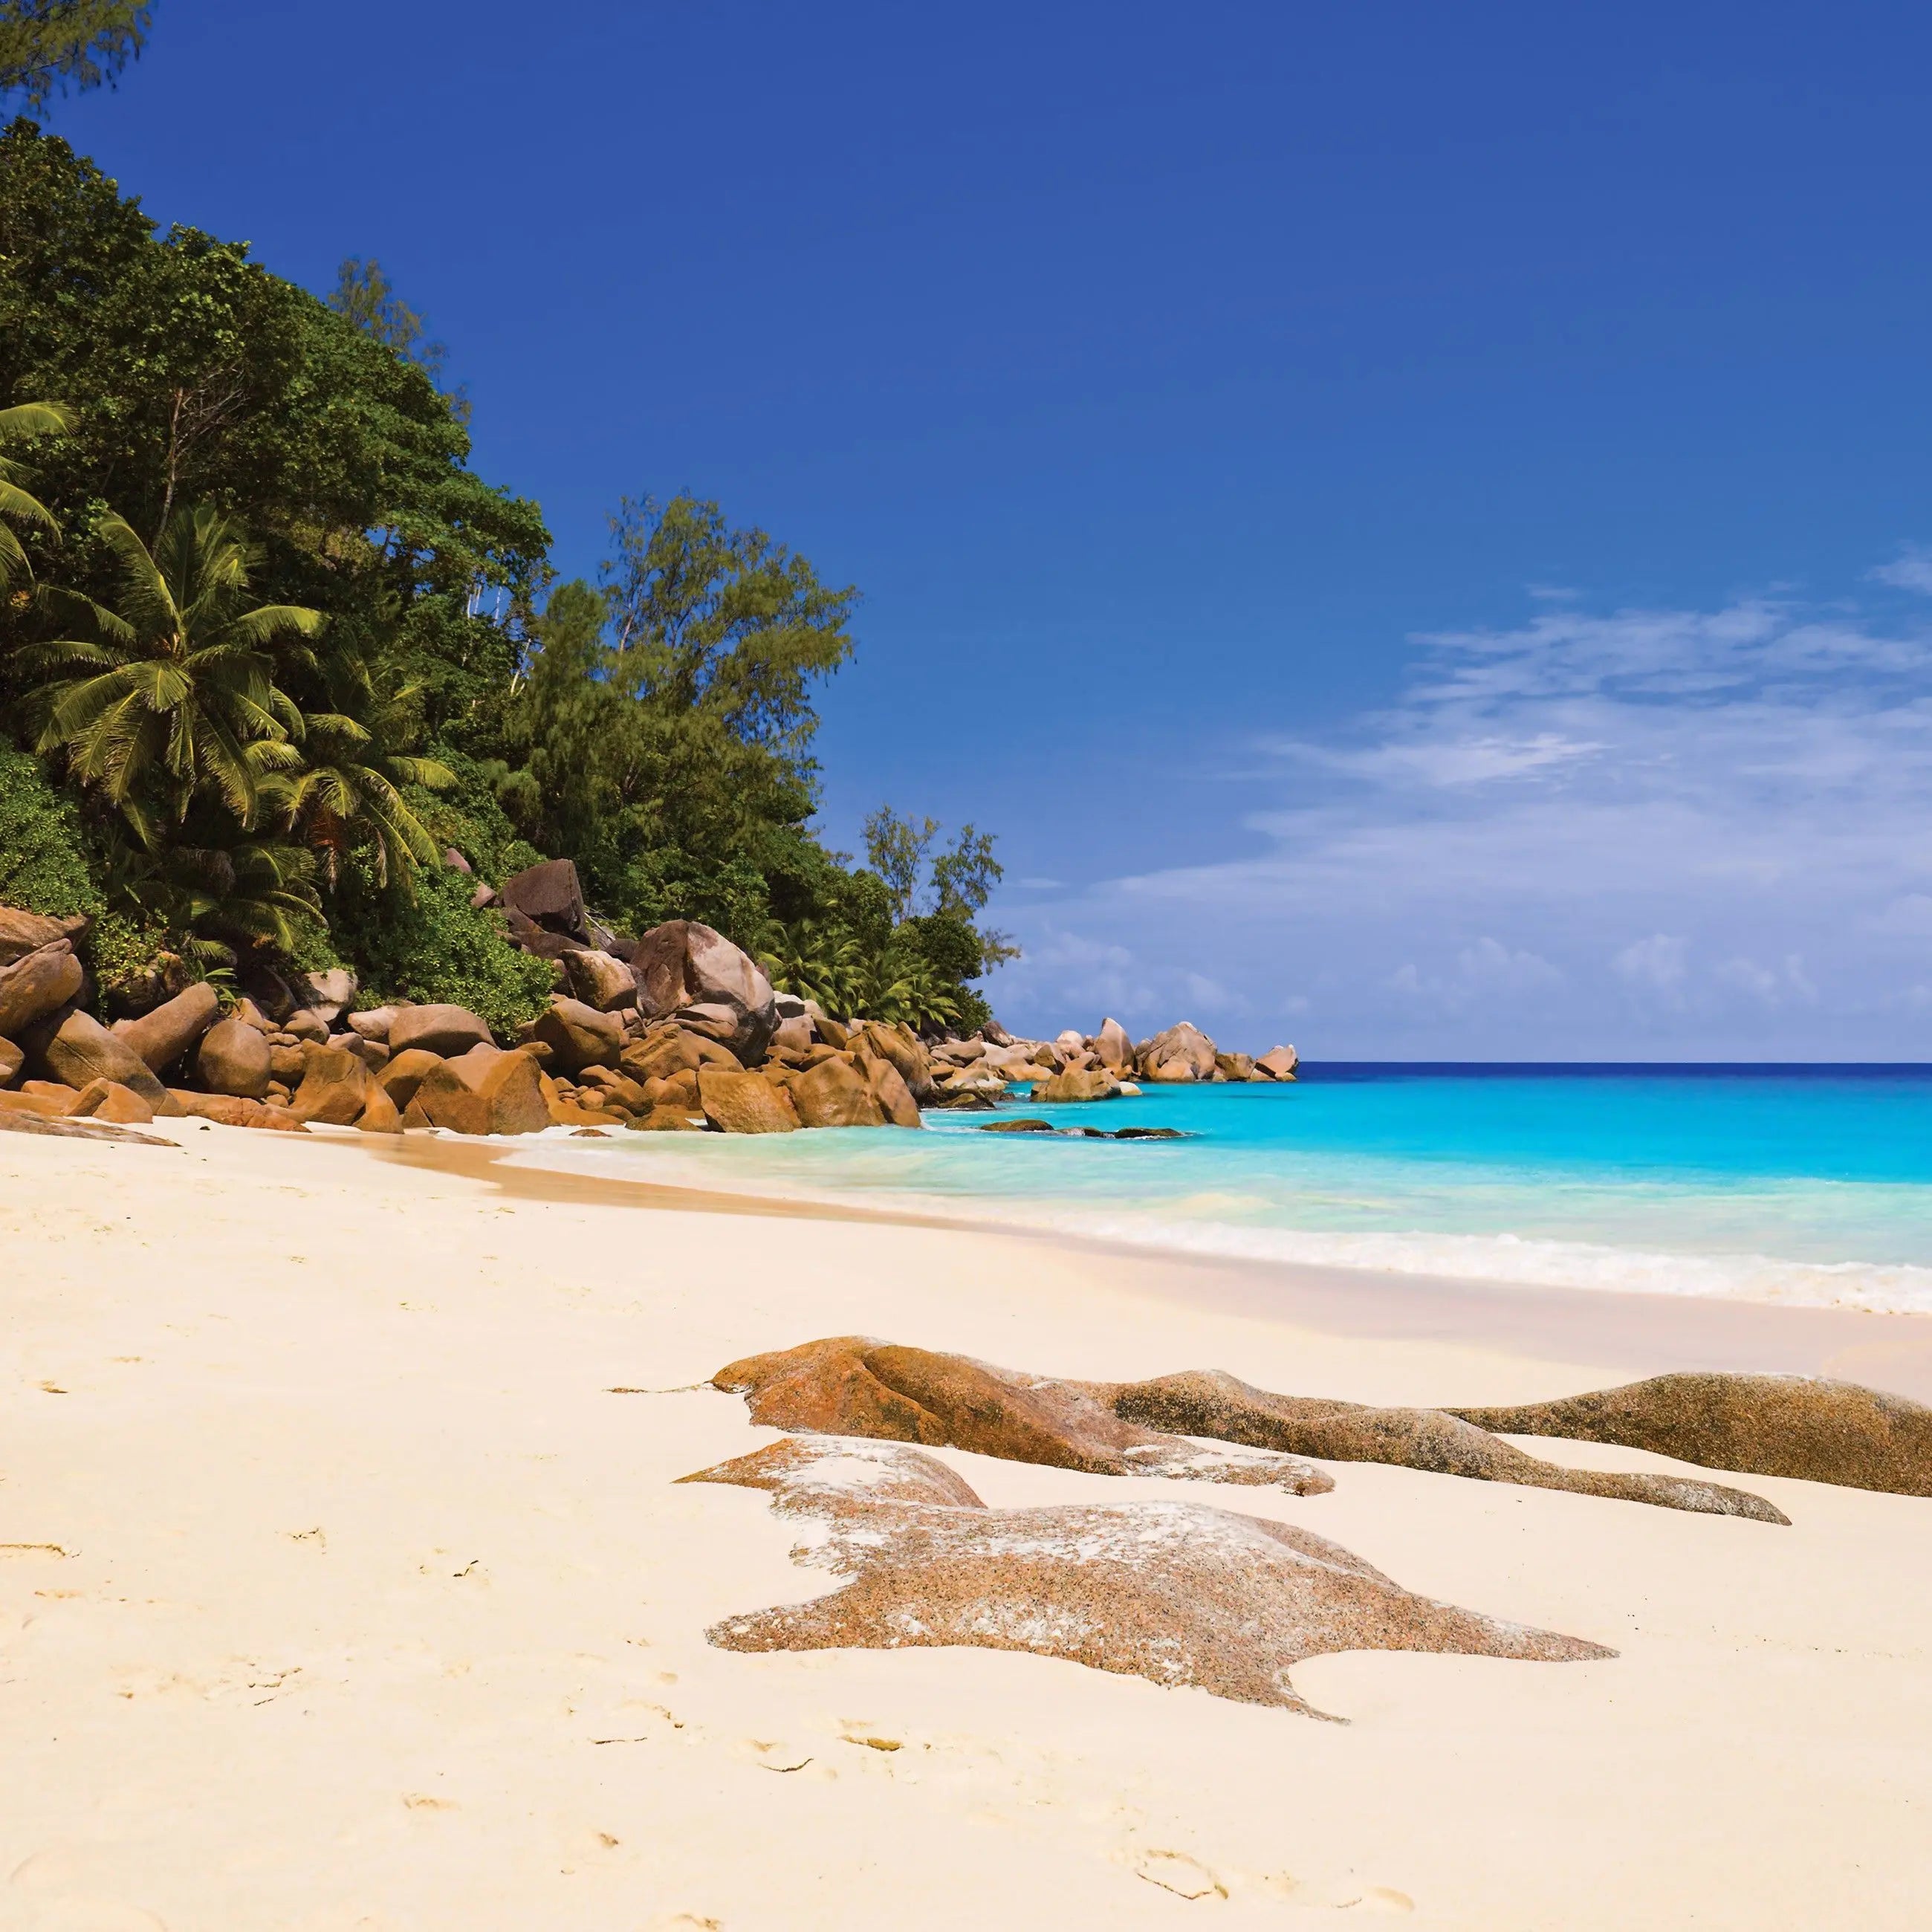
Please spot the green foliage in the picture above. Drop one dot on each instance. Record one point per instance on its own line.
(43, 866)
(295, 647)
(56, 47)
(432, 946)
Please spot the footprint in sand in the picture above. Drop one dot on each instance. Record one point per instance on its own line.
(59, 1884)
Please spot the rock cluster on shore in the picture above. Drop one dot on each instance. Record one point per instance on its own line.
(678, 1031)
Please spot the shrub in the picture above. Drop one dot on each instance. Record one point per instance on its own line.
(435, 948)
(42, 865)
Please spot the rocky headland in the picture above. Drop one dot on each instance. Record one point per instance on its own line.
(677, 1031)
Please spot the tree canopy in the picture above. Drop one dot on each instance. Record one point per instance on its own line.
(276, 645)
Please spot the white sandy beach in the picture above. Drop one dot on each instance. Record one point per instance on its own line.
(337, 1590)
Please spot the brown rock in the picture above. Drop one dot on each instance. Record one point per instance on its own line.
(404, 1073)
(903, 1048)
(372, 1053)
(549, 896)
(1112, 1046)
(285, 1064)
(35, 986)
(1816, 1430)
(108, 1100)
(15, 1121)
(1207, 1403)
(792, 1036)
(165, 1035)
(663, 1051)
(835, 1033)
(83, 1050)
(45, 1097)
(1182, 1053)
(1077, 1084)
(327, 994)
(373, 1023)
(1280, 1063)
(251, 1015)
(12, 1060)
(379, 1115)
(1171, 1592)
(455, 861)
(579, 1035)
(1234, 1066)
(236, 1059)
(714, 988)
(836, 1093)
(666, 1121)
(233, 1110)
(849, 1385)
(334, 1086)
(743, 1103)
(439, 1029)
(1021, 1126)
(601, 980)
(508, 1099)
(21, 933)
(306, 1028)
(895, 1100)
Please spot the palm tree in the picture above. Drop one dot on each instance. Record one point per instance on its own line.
(23, 421)
(172, 697)
(355, 765)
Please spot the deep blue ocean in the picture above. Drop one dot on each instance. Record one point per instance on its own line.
(1804, 1184)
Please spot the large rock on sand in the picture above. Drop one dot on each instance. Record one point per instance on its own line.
(165, 1034)
(690, 973)
(849, 1385)
(1818, 1431)
(404, 1072)
(13, 1059)
(234, 1110)
(901, 1048)
(109, 1100)
(1169, 1591)
(82, 1050)
(36, 986)
(507, 1098)
(1182, 1053)
(836, 1093)
(1201, 1402)
(744, 1103)
(440, 1030)
(334, 1086)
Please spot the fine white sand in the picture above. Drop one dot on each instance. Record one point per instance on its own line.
(337, 1591)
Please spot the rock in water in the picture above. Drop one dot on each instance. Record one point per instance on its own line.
(1817, 1431)
(744, 1103)
(1112, 1048)
(437, 1029)
(689, 971)
(1182, 1053)
(849, 1385)
(36, 986)
(1079, 1083)
(1207, 1402)
(1174, 1592)
(1278, 1063)
(164, 1035)
(835, 1093)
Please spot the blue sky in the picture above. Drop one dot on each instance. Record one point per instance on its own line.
(1402, 518)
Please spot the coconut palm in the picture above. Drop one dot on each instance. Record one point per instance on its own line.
(355, 763)
(220, 897)
(171, 697)
(24, 420)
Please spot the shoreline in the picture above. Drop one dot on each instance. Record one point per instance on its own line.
(1615, 1327)
(330, 1524)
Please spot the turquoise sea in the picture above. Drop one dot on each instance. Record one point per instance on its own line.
(1810, 1185)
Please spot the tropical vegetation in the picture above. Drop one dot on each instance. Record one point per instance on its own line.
(270, 648)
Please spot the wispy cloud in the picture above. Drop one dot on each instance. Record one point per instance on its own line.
(1668, 830)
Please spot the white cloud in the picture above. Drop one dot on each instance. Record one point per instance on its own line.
(1656, 831)
(1910, 570)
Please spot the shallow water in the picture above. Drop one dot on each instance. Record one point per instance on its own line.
(1809, 1185)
